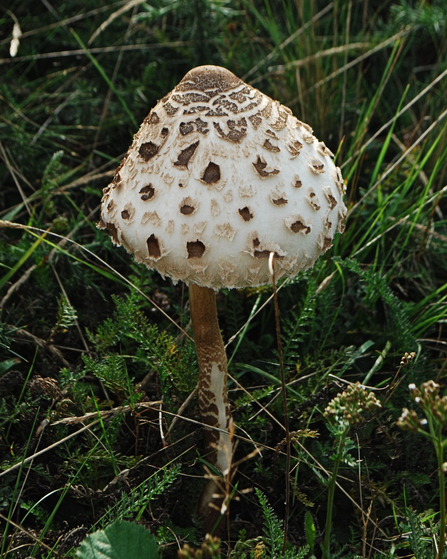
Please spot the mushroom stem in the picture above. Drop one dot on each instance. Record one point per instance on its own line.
(213, 392)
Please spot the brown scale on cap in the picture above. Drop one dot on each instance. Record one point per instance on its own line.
(326, 243)
(255, 120)
(245, 213)
(128, 213)
(147, 192)
(225, 230)
(228, 105)
(188, 98)
(280, 123)
(151, 217)
(153, 247)
(211, 173)
(297, 182)
(195, 249)
(152, 118)
(113, 232)
(218, 112)
(234, 135)
(270, 147)
(188, 206)
(260, 166)
(332, 201)
(117, 181)
(299, 227)
(279, 201)
(197, 125)
(267, 110)
(148, 150)
(316, 165)
(313, 200)
(186, 154)
(241, 96)
(294, 147)
(170, 110)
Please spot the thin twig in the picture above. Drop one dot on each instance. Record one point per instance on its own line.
(182, 408)
(43, 345)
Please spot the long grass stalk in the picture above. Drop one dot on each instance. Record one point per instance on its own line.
(331, 493)
(284, 399)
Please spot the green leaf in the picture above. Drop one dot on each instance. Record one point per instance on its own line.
(310, 530)
(120, 540)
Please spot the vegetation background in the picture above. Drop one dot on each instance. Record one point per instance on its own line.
(92, 374)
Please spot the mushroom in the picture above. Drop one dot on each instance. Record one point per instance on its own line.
(218, 177)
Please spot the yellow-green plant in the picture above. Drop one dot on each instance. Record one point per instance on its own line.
(210, 549)
(435, 410)
(344, 411)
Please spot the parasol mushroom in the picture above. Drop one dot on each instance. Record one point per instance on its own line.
(218, 177)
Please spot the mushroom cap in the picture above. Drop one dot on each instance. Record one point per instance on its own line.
(218, 176)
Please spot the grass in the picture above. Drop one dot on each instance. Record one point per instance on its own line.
(96, 358)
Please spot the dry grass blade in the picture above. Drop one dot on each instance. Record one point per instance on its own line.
(66, 21)
(107, 413)
(398, 162)
(401, 221)
(96, 50)
(313, 57)
(292, 37)
(113, 16)
(395, 117)
(358, 60)
(54, 445)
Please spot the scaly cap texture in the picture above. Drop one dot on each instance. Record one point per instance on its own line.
(218, 176)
